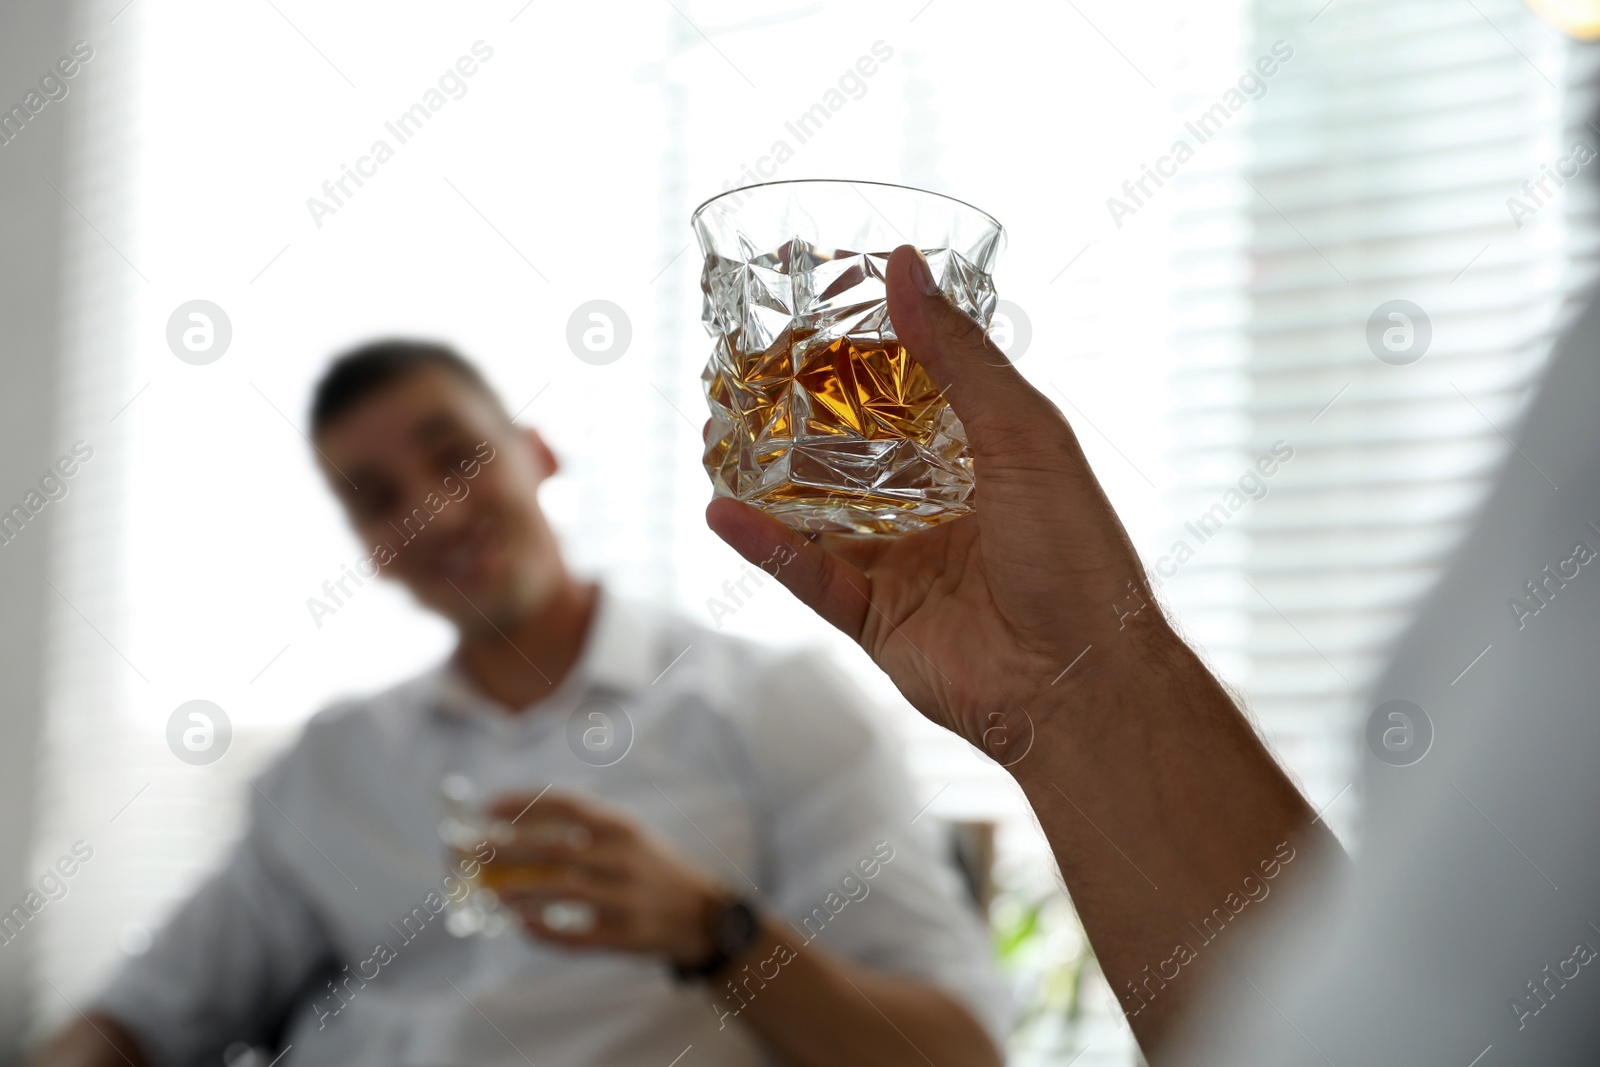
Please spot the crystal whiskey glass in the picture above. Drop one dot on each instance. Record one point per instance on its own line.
(819, 416)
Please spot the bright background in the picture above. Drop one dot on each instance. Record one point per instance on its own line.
(1228, 313)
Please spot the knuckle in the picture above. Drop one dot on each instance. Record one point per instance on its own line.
(962, 327)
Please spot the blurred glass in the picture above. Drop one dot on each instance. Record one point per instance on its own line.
(474, 840)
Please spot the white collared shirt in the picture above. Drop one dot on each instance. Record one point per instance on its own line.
(320, 931)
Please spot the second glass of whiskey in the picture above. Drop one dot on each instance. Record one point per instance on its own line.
(473, 842)
(819, 416)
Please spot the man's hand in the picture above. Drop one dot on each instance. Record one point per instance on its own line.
(1029, 628)
(976, 618)
(644, 897)
(648, 899)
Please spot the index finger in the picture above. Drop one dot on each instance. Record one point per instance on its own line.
(830, 585)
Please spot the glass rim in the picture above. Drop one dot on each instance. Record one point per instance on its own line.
(745, 189)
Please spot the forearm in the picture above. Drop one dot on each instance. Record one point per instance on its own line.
(93, 1040)
(815, 1009)
(1174, 827)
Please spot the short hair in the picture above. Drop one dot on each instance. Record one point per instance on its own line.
(357, 374)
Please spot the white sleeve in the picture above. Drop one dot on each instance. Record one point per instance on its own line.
(850, 869)
(226, 965)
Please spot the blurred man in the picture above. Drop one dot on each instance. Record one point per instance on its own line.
(1225, 916)
(741, 873)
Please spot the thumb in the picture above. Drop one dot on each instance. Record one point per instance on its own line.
(830, 586)
(994, 402)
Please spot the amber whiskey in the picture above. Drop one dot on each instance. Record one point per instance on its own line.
(839, 432)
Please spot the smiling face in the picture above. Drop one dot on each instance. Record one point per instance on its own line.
(429, 466)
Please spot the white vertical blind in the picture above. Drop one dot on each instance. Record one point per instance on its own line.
(84, 776)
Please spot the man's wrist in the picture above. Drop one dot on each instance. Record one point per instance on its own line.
(1118, 690)
(729, 926)
(693, 937)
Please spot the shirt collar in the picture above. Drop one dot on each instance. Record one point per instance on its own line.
(622, 648)
(619, 654)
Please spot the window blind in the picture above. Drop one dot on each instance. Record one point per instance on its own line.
(1379, 171)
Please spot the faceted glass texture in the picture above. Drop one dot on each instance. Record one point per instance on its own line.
(819, 416)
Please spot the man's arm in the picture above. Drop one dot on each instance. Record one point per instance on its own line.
(821, 1009)
(94, 1040)
(1170, 821)
(810, 1007)
(1030, 627)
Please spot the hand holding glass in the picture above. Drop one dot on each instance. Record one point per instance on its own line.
(478, 842)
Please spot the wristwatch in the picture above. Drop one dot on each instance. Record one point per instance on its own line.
(733, 925)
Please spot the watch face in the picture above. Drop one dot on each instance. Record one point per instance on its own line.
(735, 926)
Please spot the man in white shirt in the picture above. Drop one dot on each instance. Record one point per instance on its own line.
(757, 886)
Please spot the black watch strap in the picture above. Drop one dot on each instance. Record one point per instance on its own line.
(733, 926)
